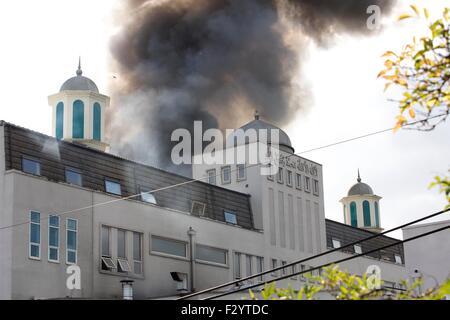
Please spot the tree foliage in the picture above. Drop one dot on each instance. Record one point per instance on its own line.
(340, 285)
(422, 71)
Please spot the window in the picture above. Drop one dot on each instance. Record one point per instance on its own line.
(78, 120)
(260, 267)
(289, 178)
(97, 125)
(241, 172)
(212, 175)
(274, 266)
(148, 197)
(198, 208)
(122, 261)
(302, 269)
(307, 184)
(31, 166)
(113, 187)
(283, 263)
(345, 214)
(137, 253)
(336, 243)
(35, 235)
(316, 187)
(294, 270)
(377, 215)
(73, 176)
(226, 175)
(357, 248)
(280, 175)
(210, 254)
(169, 246)
(298, 181)
(59, 134)
(366, 212)
(107, 262)
(71, 238)
(353, 216)
(230, 217)
(398, 259)
(237, 265)
(249, 265)
(53, 239)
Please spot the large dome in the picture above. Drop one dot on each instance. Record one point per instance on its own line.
(257, 124)
(79, 83)
(360, 188)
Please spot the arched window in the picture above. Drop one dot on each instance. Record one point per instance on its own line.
(353, 215)
(377, 214)
(59, 121)
(97, 122)
(78, 120)
(366, 212)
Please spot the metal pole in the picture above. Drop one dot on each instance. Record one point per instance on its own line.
(191, 233)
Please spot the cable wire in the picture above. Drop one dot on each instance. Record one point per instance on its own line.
(328, 264)
(314, 256)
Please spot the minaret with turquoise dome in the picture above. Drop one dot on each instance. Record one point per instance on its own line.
(78, 112)
(362, 207)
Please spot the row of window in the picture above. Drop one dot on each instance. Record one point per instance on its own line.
(226, 174)
(54, 243)
(302, 182)
(366, 214)
(292, 269)
(357, 249)
(78, 121)
(73, 176)
(252, 264)
(199, 209)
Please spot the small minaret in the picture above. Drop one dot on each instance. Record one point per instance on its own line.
(362, 207)
(79, 112)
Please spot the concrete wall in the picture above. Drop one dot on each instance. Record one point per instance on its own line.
(429, 255)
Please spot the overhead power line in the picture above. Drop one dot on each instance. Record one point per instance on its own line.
(328, 264)
(314, 256)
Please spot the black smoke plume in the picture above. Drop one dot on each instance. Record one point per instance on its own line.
(217, 61)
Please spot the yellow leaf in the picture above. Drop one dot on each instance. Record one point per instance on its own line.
(388, 53)
(388, 64)
(412, 114)
(427, 14)
(415, 9)
(382, 72)
(386, 86)
(404, 16)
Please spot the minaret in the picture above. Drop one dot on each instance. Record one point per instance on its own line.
(79, 112)
(362, 207)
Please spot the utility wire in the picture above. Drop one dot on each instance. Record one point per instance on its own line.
(328, 264)
(216, 176)
(314, 256)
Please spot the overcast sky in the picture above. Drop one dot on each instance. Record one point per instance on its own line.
(41, 42)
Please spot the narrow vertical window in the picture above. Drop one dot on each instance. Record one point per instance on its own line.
(237, 265)
(289, 178)
(366, 212)
(260, 267)
(59, 121)
(97, 125)
(53, 239)
(274, 266)
(106, 262)
(307, 184)
(298, 180)
(353, 215)
(137, 253)
(283, 264)
(241, 172)
(71, 238)
(377, 215)
(280, 175)
(78, 120)
(35, 235)
(122, 260)
(249, 265)
(212, 176)
(226, 175)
